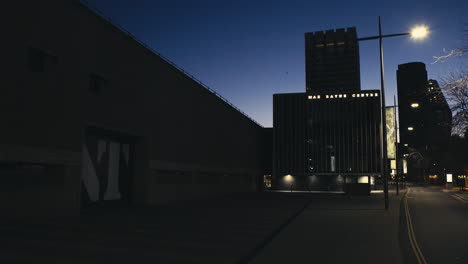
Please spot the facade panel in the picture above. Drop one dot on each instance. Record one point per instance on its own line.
(343, 133)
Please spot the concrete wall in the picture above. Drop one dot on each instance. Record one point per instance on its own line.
(177, 122)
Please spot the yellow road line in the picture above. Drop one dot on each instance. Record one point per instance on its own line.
(412, 237)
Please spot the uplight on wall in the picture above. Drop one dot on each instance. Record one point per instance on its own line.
(288, 178)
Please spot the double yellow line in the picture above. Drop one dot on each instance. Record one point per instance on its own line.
(412, 238)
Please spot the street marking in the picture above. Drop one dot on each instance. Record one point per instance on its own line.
(412, 237)
(460, 198)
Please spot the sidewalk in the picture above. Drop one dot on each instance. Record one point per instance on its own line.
(348, 230)
(333, 228)
(217, 230)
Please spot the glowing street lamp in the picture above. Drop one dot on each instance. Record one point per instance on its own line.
(417, 33)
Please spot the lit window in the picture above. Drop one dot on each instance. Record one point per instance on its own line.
(344, 95)
(340, 95)
(330, 44)
(414, 105)
(310, 96)
(326, 96)
(406, 145)
(318, 96)
(354, 95)
(410, 128)
(358, 95)
(362, 95)
(376, 94)
(367, 95)
(340, 43)
(371, 95)
(314, 97)
(319, 45)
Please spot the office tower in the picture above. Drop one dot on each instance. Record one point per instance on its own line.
(424, 119)
(332, 61)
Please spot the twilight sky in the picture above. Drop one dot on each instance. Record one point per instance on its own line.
(249, 50)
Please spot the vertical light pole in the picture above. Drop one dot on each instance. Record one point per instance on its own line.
(418, 32)
(384, 121)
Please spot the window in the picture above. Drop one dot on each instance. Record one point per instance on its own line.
(39, 60)
(96, 82)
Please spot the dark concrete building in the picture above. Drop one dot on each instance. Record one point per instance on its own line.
(329, 135)
(92, 115)
(322, 141)
(424, 119)
(332, 61)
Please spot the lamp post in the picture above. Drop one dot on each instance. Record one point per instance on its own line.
(418, 32)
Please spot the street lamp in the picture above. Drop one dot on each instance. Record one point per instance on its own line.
(418, 32)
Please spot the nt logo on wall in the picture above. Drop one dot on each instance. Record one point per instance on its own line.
(106, 168)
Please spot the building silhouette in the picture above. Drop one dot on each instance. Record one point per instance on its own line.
(327, 137)
(93, 116)
(332, 61)
(424, 119)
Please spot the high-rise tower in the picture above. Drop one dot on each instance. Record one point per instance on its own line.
(425, 118)
(332, 61)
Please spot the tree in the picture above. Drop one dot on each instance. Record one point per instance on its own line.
(455, 85)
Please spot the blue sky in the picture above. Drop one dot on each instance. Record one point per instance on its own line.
(249, 50)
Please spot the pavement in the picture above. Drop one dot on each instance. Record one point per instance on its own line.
(219, 230)
(238, 228)
(341, 229)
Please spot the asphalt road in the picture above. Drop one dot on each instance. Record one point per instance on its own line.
(440, 227)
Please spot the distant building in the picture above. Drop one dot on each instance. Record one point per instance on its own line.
(93, 116)
(329, 135)
(332, 61)
(325, 140)
(424, 119)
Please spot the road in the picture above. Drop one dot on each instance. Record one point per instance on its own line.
(440, 226)
(253, 228)
(426, 225)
